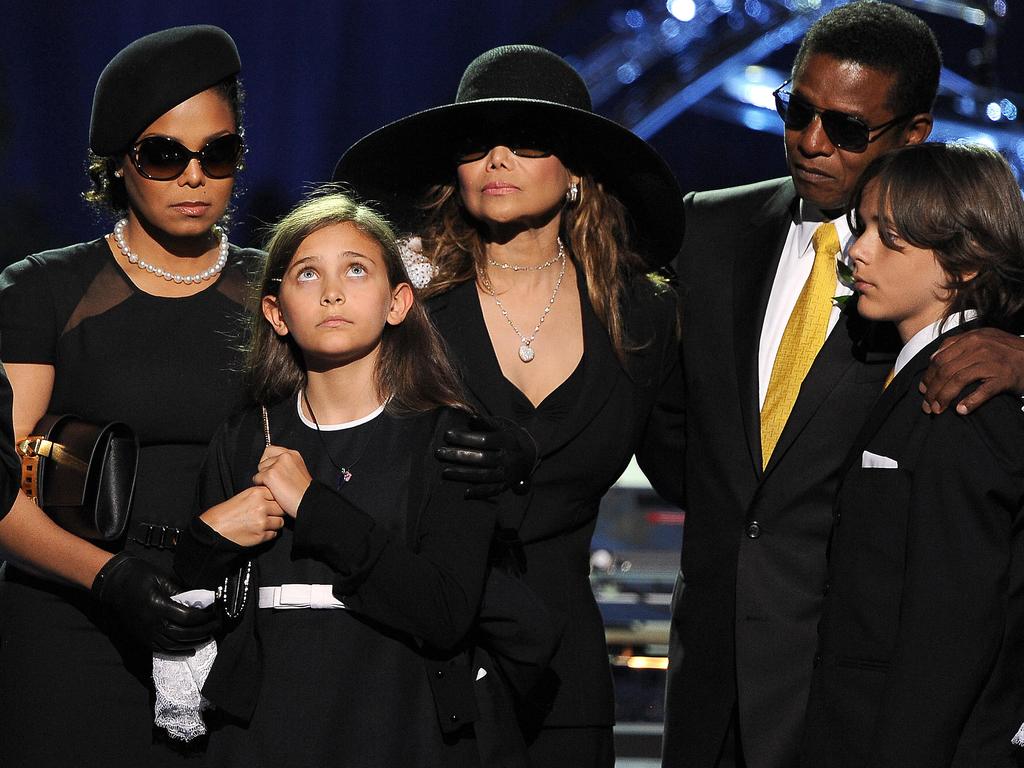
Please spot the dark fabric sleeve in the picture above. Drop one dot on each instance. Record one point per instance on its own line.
(431, 591)
(10, 464)
(660, 448)
(203, 557)
(520, 634)
(28, 317)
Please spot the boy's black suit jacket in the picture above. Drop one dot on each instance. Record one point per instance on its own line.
(921, 658)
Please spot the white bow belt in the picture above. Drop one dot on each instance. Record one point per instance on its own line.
(288, 596)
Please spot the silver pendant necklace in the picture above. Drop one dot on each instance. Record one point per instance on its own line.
(526, 351)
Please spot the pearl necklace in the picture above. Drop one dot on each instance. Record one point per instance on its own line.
(133, 258)
(526, 351)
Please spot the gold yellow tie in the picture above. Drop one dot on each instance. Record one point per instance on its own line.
(802, 339)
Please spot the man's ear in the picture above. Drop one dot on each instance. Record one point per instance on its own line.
(918, 129)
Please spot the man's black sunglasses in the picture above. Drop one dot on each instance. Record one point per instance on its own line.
(843, 130)
(161, 158)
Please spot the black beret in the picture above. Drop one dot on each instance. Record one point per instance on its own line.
(154, 74)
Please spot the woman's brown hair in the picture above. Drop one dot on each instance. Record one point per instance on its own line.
(961, 202)
(413, 372)
(595, 232)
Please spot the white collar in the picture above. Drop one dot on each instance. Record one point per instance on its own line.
(928, 334)
(333, 427)
(807, 220)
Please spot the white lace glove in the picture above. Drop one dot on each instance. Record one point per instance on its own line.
(1019, 738)
(178, 680)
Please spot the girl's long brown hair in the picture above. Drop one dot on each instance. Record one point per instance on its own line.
(595, 232)
(412, 368)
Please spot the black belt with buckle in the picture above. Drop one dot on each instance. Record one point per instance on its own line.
(154, 535)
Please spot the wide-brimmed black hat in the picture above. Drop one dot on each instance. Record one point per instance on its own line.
(154, 74)
(507, 89)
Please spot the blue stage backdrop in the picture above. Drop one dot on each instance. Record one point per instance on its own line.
(318, 75)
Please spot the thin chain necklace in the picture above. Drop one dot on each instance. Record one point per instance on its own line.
(344, 470)
(206, 274)
(526, 351)
(525, 267)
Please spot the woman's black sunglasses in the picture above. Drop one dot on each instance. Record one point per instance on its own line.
(843, 130)
(520, 146)
(162, 159)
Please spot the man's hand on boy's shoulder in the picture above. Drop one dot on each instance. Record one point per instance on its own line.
(992, 357)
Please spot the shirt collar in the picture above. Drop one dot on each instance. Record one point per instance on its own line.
(928, 334)
(807, 220)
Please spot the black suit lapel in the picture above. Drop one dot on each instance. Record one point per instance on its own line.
(459, 319)
(827, 370)
(898, 388)
(756, 259)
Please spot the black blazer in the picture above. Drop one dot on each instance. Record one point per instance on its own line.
(621, 411)
(428, 586)
(749, 593)
(922, 638)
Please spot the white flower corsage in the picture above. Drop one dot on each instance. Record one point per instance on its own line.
(417, 267)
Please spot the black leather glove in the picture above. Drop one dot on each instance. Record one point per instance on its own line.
(139, 597)
(492, 455)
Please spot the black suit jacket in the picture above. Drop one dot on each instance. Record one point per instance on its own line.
(622, 410)
(749, 593)
(922, 638)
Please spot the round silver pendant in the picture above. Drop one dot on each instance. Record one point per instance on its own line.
(525, 353)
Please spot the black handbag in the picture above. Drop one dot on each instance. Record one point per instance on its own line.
(234, 593)
(81, 474)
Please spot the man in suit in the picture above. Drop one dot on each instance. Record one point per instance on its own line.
(778, 382)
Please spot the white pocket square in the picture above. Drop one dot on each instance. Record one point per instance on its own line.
(874, 461)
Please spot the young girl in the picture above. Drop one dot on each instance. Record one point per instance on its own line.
(361, 571)
(921, 656)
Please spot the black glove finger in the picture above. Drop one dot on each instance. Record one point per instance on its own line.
(480, 423)
(464, 474)
(188, 636)
(175, 613)
(469, 457)
(161, 644)
(483, 490)
(466, 438)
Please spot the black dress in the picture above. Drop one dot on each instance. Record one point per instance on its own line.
(405, 553)
(10, 464)
(75, 691)
(587, 430)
